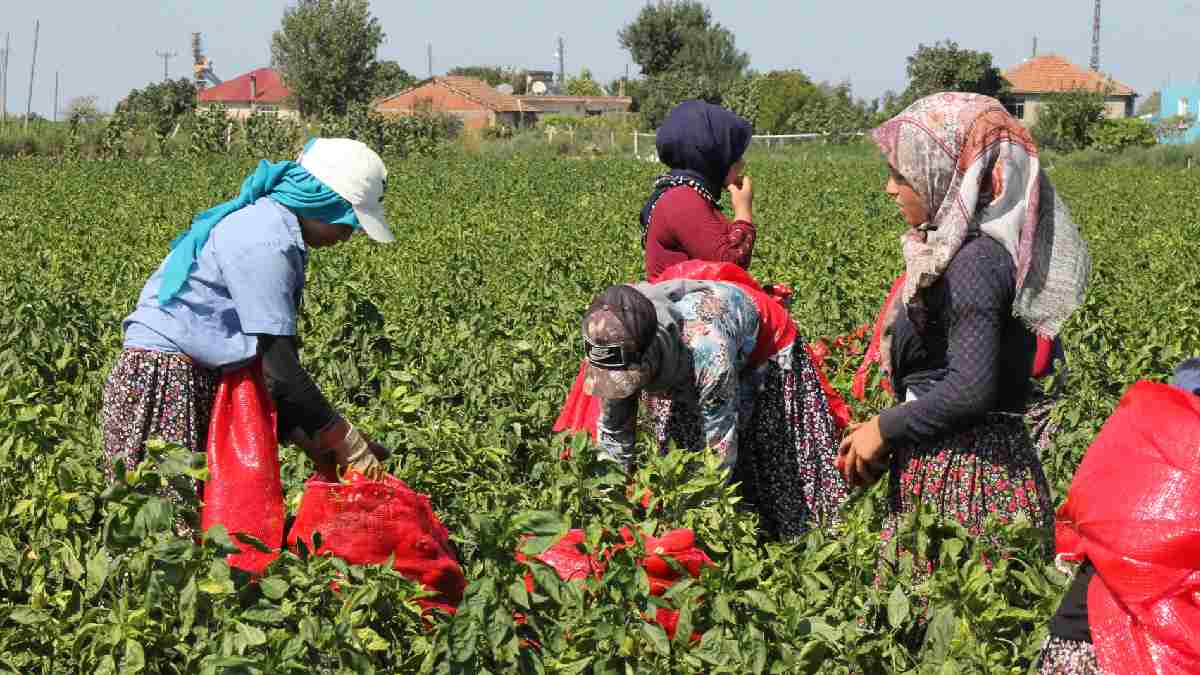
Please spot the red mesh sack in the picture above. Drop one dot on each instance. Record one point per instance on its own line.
(570, 562)
(364, 521)
(581, 411)
(1133, 510)
(243, 491)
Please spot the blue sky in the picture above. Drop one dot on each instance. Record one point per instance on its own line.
(107, 48)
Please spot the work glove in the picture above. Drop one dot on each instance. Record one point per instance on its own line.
(346, 454)
(355, 452)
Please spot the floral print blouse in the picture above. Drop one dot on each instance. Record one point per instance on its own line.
(718, 331)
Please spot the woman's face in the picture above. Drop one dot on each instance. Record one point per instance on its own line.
(320, 235)
(734, 177)
(912, 207)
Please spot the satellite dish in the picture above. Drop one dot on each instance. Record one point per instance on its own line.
(505, 88)
(538, 88)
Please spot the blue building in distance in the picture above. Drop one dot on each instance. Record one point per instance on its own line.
(1181, 99)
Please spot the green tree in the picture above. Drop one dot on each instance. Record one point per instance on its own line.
(168, 99)
(834, 111)
(325, 51)
(1152, 105)
(1117, 135)
(390, 79)
(493, 75)
(944, 66)
(669, 89)
(668, 36)
(1065, 120)
(783, 94)
(584, 85)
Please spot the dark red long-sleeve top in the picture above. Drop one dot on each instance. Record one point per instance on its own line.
(685, 226)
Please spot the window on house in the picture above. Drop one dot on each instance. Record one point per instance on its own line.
(268, 108)
(1016, 108)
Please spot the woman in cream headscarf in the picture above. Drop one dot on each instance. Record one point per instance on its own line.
(992, 260)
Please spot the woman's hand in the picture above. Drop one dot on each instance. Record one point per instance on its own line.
(862, 456)
(741, 195)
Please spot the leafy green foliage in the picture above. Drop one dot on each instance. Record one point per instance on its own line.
(325, 51)
(1151, 105)
(1065, 119)
(667, 90)
(161, 102)
(390, 79)
(583, 85)
(780, 95)
(1117, 135)
(944, 66)
(456, 347)
(681, 36)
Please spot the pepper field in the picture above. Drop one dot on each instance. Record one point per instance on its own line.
(456, 347)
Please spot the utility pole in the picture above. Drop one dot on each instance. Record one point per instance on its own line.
(4, 79)
(165, 56)
(1096, 39)
(429, 58)
(1034, 46)
(37, 25)
(562, 72)
(56, 96)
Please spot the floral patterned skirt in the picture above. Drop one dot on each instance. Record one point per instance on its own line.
(1068, 657)
(154, 395)
(989, 470)
(786, 446)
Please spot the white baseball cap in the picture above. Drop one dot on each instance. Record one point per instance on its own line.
(355, 172)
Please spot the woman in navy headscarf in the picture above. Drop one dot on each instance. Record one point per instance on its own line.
(703, 145)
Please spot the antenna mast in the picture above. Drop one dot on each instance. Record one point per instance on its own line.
(165, 56)
(1096, 39)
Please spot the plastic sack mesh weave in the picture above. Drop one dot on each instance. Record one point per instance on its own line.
(567, 558)
(243, 491)
(364, 522)
(1133, 510)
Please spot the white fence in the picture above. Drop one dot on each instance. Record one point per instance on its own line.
(644, 142)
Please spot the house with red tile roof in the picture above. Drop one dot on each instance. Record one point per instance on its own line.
(260, 90)
(1033, 79)
(579, 105)
(473, 101)
(480, 105)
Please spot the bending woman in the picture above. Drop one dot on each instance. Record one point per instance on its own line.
(992, 258)
(682, 220)
(229, 293)
(722, 367)
(1130, 519)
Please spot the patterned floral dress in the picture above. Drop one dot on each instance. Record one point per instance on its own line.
(770, 423)
(152, 394)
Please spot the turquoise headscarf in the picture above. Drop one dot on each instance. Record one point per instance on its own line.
(285, 182)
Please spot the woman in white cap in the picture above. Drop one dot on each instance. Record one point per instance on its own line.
(229, 293)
